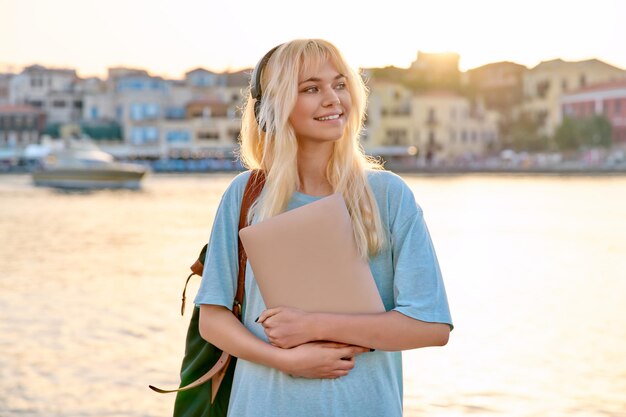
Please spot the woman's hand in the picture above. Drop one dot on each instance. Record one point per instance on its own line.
(328, 360)
(287, 327)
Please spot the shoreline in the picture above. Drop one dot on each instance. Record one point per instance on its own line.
(433, 172)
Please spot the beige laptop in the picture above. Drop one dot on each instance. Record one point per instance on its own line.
(307, 258)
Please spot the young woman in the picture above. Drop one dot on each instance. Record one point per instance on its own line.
(304, 135)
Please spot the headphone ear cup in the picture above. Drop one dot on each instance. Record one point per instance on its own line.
(257, 112)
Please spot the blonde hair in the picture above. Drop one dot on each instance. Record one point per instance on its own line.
(275, 149)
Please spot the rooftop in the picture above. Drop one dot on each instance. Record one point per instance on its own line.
(19, 108)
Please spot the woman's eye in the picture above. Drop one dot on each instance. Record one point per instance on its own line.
(311, 89)
(341, 86)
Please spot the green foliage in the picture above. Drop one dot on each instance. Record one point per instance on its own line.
(522, 135)
(573, 134)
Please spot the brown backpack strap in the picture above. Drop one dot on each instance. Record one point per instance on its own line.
(252, 192)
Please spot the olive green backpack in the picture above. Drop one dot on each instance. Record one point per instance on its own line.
(206, 374)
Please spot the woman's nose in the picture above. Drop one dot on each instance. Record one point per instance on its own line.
(331, 98)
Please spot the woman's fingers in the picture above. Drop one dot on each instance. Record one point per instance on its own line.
(351, 351)
(267, 314)
(345, 365)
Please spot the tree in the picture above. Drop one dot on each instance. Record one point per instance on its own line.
(522, 134)
(590, 132)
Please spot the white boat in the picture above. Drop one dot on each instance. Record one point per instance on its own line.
(82, 165)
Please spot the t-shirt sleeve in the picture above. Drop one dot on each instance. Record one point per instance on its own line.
(419, 290)
(219, 277)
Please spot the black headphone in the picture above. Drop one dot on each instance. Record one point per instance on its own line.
(255, 87)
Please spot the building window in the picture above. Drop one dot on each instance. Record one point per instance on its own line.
(93, 112)
(78, 104)
(542, 88)
(58, 103)
(564, 85)
(130, 85)
(178, 136)
(119, 112)
(396, 136)
(151, 110)
(36, 103)
(136, 111)
(234, 135)
(463, 136)
(143, 135)
(143, 111)
(175, 113)
(583, 80)
(208, 135)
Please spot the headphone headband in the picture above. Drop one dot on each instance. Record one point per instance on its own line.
(255, 88)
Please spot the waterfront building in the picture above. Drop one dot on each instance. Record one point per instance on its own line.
(608, 99)
(161, 118)
(545, 84)
(138, 102)
(5, 80)
(499, 85)
(435, 71)
(436, 125)
(55, 91)
(20, 125)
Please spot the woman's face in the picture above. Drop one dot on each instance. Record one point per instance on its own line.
(323, 105)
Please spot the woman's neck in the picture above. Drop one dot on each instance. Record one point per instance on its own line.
(312, 162)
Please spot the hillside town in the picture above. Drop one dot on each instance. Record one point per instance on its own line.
(430, 116)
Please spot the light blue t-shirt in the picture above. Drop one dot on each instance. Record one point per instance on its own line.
(409, 281)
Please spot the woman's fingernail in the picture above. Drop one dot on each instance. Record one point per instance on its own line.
(257, 319)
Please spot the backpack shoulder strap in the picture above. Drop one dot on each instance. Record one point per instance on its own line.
(253, 190)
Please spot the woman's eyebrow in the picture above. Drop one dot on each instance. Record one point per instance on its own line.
(316, 79)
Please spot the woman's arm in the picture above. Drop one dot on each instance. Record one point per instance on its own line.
(219, 326)
(390, 331)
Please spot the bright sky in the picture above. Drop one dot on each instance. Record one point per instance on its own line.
(170, 37)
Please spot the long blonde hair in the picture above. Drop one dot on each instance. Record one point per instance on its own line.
(275, 149)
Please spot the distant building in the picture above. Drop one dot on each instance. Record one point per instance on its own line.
(20, 125)
(137, 102)
(608, 99)
(5, 80)
(500, 86)
(55, 91)
(439, 125)
(547, 82)
(389, 120)
(435, 71)
(203, 78)
(161, 117)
